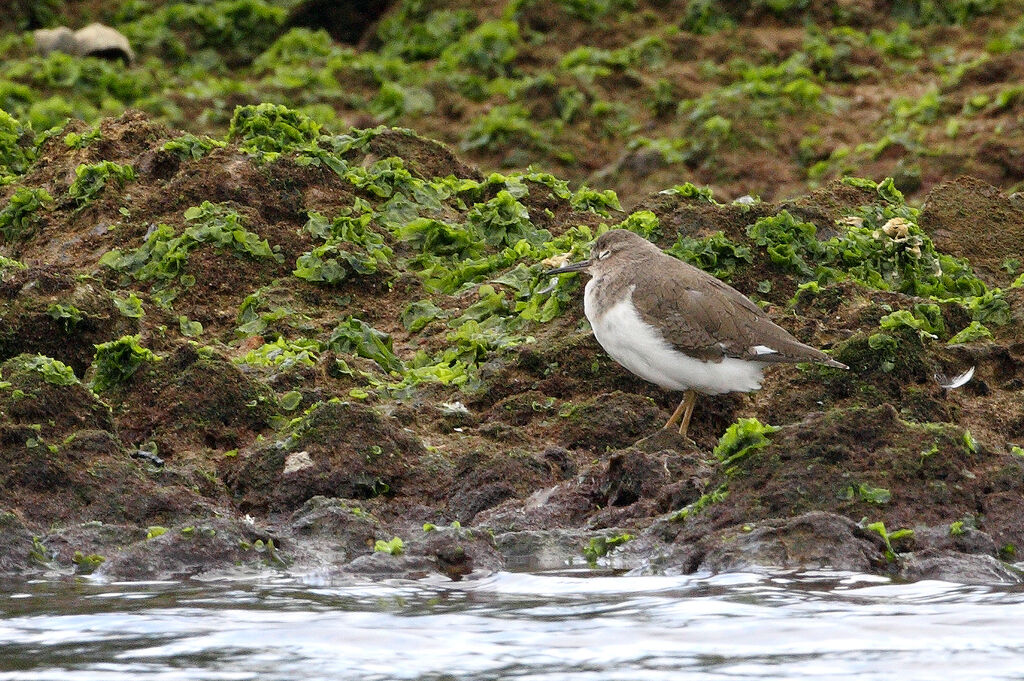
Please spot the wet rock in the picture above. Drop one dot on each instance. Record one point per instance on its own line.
(94, 539)
(812, 540)
(190, 550)
(481, 480)
(190, 400)
(332, 532)
(424, 158)
(563, 505)
(355, 452)
(95, 40)
(15, 545)
(610, 421)
(49, 311)
(952, 566)
(963, 540)
(452, 551)
(536, 550)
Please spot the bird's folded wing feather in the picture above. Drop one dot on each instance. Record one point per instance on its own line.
(708, 319)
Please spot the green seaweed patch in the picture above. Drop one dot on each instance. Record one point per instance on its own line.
(189, 146)
(740, 440)
(490, 49)
(154, 531)
(81, 140)
(254, 322)
(53, 371)
(601, 202)
(715, 253)
(503, 126)
(788, 242)
(643, 222)
(130, 307)
(116, 361)
(20, 216)
(68, 316)
(430, 236)
(91, 178)
(970, 333)
(417, 314)
(489, 303)
(283, 354)
(394, 547)
(504, 221)
(86, 564)
(888, 537)
(238, 30)
(273, 128)
(355, 337)
(866, 493)
(414, 31)
(164, 254)
(924, 319)
(332, 262)
(704, 501)
(17, 147)
(881, 247)
(691, 192)
(599, 547)
(11, 264)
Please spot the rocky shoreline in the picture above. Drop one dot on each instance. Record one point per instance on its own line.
(298, 351)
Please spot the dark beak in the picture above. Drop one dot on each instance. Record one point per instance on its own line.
(575, 267)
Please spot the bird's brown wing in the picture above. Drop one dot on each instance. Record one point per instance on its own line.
(706, 318)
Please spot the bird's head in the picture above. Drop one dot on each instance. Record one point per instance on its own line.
(610, 251)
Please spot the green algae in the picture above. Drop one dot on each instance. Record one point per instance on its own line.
(355, 337)
(20, 216)
(68, 316)
(599, 547)
(51, 370)
(91, 178)
(17, 150)
(705, 500)
(283, 354)
(394, 546)
(116, 361)
(189, 146)
(130, 307)
(740, 440)
(715, 253)
(164, 255)
(888, 537)
(271, 128)
(349, 247)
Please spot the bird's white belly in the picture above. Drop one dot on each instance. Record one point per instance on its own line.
(640, 348)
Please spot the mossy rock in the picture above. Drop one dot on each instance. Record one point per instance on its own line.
(194, 398)
(610, 421)
(44, 395)
(338, 449)
(50, 312)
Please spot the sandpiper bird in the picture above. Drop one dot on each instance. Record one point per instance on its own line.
(677, 326)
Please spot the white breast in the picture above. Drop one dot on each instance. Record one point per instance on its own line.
(639, 347)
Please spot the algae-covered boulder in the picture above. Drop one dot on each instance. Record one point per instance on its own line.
(338, 449)
(49, 312)
(61, 458)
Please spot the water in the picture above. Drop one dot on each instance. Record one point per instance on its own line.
(515, 626)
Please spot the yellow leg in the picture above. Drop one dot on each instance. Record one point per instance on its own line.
(684, 410)
(691, 399)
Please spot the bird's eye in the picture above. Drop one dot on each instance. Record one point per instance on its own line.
(603, 254)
